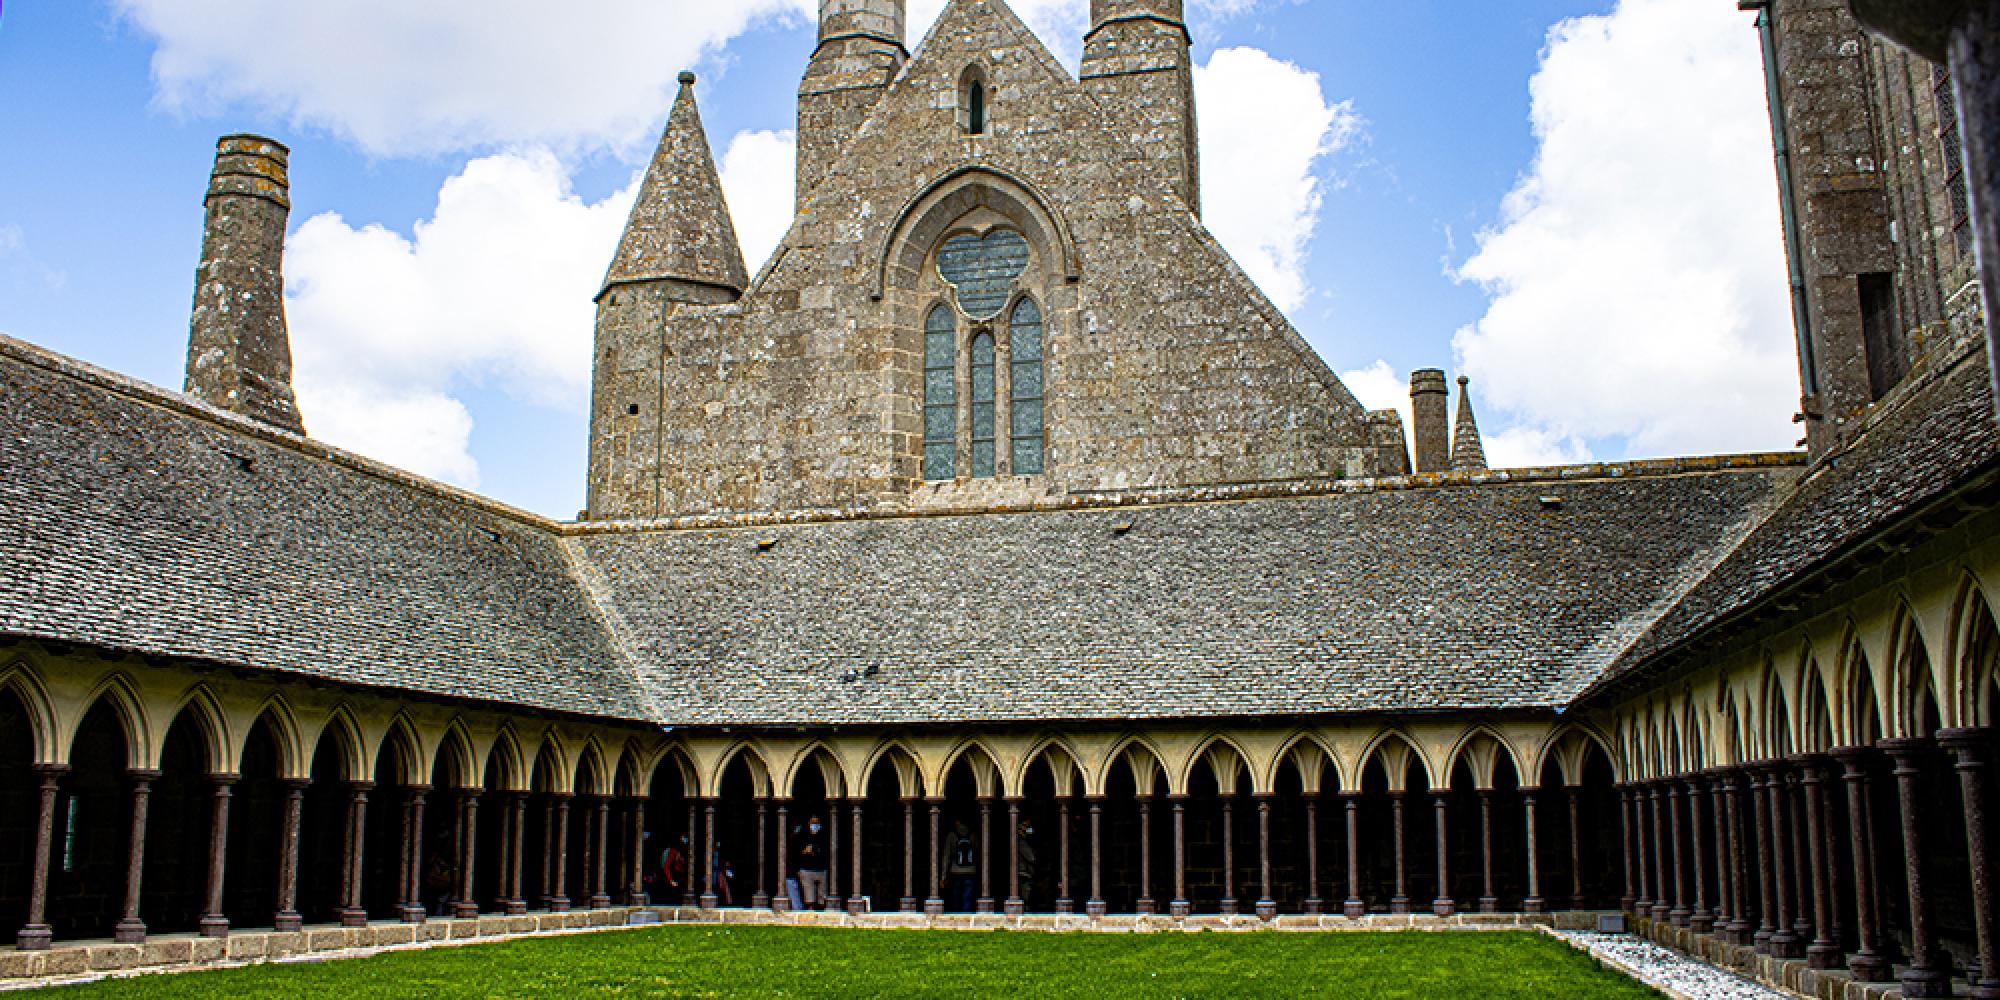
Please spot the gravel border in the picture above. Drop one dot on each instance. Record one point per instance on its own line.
(1675, 974)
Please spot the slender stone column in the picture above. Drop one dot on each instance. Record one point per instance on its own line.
(1784, 941)
(1094, 906)
(1740, 930)
(691, 895)
(352, 914)
(1489, 903)
(130, 929)
(213, 923)
(1145, 905)
(1802, 921)
(1680, 913)
(856, 901)
(1352, 907)
(761, 899)
(1267, 908)
(1228, 905)
(1971, 747)
(1630, 901)
(1571, 794)
(1063, 902)
(785, 856)
(1643, 905)
(1720, 837)
(1928, 973)
(1400, 902)
(1766, 884)
(1179, 905)
(1700, 919)
(1313, 903)
(1443, 905)
(1662, 879)
(465, 907)
(287, 919)
(908, 904)
(1534, 903)
(1867, 963)
(933, 902)
(709, 898)
(1824, 951)
(1015, 905)
(635, 859)
(985, 902)
(599, 897)
(412, 910)
(558, 900)
(517, 821)
(36, 935)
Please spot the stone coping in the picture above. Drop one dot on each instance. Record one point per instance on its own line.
(84, 960)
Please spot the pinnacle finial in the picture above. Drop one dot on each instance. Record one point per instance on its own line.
(1468, 452)
(687, 78)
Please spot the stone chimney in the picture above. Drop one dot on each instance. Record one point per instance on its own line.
(239, 355)
(1430, 408)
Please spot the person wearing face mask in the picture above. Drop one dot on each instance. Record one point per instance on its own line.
(809, 860)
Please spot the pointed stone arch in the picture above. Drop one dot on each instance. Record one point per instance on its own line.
(593, 770)
(1974, 657)
(753, 758)
(403, 735)
(352, 749)
(989, 778)
(1312, 757)
(1483, 748)
(1060, 757)
(831, 770)
(505, 757)
(1225, 757)
(116, 692)
(199, 704)
(1913, 679)
(19, 680)
(1814, 722)
(293, 760)
(1397, 752)
(926, 217)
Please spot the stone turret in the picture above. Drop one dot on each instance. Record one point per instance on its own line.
(1468, 453)
(1138, 61)
(861, 49)
(239, 355)
(1430, 409)
(679, 251)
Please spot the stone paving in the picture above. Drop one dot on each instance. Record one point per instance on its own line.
(1669, 971)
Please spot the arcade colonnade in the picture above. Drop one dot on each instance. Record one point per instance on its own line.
(142, 798)
(1825, 793)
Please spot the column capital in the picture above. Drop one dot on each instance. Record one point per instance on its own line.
(295, 784)
(1966, 741)
(1904, 746)
(223, 779)
(50, 770)
(143, 775)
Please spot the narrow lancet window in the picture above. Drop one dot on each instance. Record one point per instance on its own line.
(975, 108)
(982, 406)
(940, 395)
(1028, 439)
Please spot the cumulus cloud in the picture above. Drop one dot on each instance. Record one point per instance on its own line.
(1638, 266)
(1266, 128)
(495, 288)
(1380, 387)
(758, 171)
(397, 77)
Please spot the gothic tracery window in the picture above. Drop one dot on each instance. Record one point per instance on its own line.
(940, 394)
(1027, 433)
(983, 455)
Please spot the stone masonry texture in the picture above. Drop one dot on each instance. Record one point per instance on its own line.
(239, 356)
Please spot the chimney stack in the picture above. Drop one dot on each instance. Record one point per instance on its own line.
(1430, 405)
(239, 355)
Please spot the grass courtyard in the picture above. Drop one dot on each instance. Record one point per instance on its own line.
(719, 961)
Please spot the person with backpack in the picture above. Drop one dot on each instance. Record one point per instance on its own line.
(961, 868)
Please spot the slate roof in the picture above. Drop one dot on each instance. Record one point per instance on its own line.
(129, 521)
(135, 519)
(1938, 435)
(1453, 597)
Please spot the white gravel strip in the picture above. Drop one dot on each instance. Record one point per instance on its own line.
(1668, 970)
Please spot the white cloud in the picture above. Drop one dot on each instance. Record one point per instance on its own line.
(397, 77)
(1522, 447)
(1637, 277)
(495, 287)
(758, 171)
(1380, 387)
(1266, 127)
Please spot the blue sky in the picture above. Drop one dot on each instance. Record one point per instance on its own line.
(1569, 199)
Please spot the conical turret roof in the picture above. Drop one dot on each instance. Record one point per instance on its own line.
(1467, 452)
(680, 226)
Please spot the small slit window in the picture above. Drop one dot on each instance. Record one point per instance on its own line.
(940, 395)
(975, 109)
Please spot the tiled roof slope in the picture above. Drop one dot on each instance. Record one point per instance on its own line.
(1441, 598)
(129, 520)
(1939, 435)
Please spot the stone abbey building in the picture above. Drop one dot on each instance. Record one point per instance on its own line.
(1000, 496)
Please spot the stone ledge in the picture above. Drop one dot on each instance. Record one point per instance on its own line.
(1788, 974)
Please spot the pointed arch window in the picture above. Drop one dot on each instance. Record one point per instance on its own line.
(983, 455)
(1026, 433)
(940, 395)
(975, 109)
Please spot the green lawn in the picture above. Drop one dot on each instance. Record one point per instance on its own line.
(716, 961)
